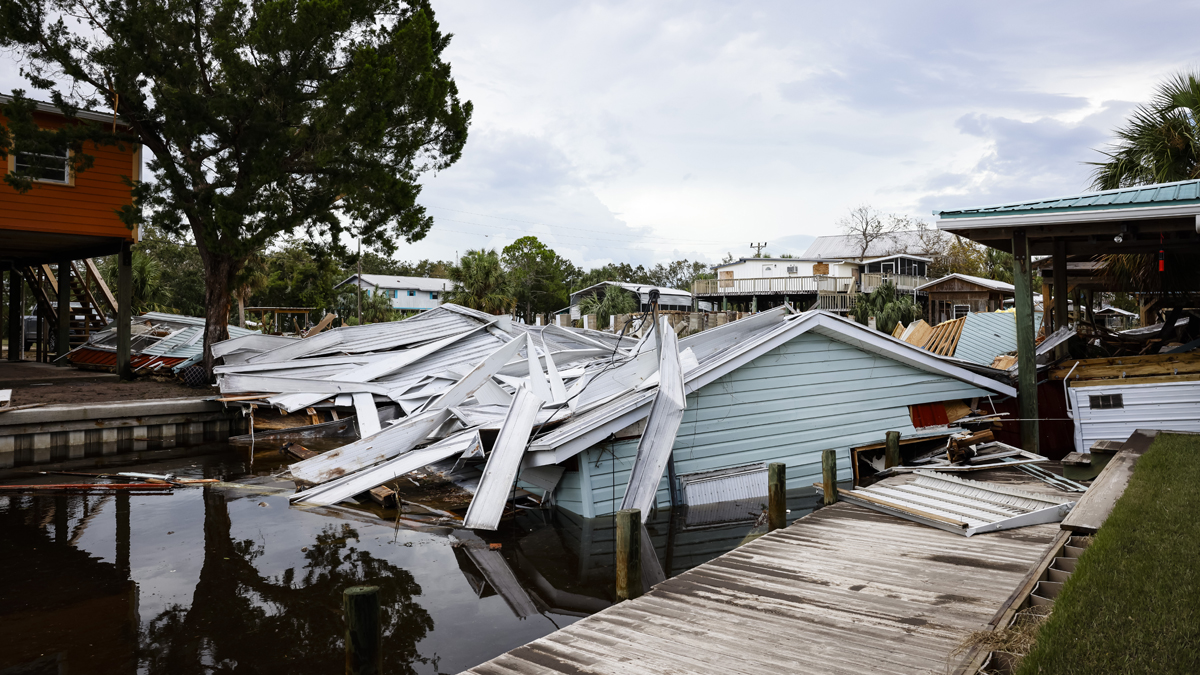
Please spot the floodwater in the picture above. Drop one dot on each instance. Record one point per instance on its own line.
(231, 579)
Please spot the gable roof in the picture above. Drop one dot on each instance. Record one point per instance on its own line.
(1163, 194)
(910, 256)
(845, 246)
(401, 283)
(978, 281)
(721, 350)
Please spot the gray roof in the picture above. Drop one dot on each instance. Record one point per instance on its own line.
(401, 283)
(986, 283)
(643, 290)
(845, 246)
(739, 261)
(986, 335)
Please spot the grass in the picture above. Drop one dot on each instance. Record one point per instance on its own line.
(1133, 602)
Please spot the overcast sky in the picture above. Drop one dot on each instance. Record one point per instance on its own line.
(652, 131)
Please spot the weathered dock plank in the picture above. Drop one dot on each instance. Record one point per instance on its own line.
(844, 590)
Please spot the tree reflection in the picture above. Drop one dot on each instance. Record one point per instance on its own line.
(239, 620)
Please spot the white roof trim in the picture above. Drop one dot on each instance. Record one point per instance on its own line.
(1061, 217)
(824, 323)
(979, 281)
(895, 255)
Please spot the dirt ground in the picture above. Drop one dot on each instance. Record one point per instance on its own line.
(103, 391)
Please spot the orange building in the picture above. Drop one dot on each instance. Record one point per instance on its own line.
(50, 233)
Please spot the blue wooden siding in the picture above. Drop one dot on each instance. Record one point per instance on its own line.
(811, 394)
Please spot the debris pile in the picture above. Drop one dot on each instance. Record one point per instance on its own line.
(159, 342)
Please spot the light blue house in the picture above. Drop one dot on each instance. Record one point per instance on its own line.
(779, 388)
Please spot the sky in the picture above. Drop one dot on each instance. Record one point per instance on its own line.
(646, 132)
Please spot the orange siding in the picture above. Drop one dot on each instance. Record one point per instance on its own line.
(88, 207)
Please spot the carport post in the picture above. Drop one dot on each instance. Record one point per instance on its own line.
(16, 324)
(65, 315)
(1060, 292)
(124, 311)
(1026, 354)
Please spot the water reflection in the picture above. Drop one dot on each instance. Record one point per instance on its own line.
(218, 580)
(290, 618)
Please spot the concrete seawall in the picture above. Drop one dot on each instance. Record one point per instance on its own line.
(56, 433)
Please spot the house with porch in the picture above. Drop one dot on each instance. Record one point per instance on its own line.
(957, 295)
(408, 294)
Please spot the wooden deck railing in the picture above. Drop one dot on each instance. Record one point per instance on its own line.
(902, 282)
(773, 285)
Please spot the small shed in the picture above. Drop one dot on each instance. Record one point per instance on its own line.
(1115, 318)
(957, 295)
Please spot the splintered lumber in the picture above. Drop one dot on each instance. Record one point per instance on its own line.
(383, 495)
(347, 486)
(501, 469)
(1095, 505)
(917, 333)
(654, 447)
(1128, 367)
(86, 487)
(298, 451)
(958, 446)
(944, 338)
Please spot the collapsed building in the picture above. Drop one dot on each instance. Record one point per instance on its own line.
(592, 421)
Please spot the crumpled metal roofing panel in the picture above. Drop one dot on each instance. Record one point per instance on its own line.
(1165, 194)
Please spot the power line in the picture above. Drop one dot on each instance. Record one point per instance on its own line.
(607, 246)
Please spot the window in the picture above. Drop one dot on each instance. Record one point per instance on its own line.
(961, 311)
(433, 295)
(55, 166)
(412, 294)
(1106, 402)
(888, 268)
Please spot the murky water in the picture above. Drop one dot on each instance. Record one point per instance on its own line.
(230, 579)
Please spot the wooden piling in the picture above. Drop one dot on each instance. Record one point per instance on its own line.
(364, 637)
(629, 554)
(776, 495)
(829, 476)
(892, 457)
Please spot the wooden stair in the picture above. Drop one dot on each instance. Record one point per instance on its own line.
(91, 316)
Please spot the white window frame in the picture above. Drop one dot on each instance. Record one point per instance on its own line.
(70, 173)
(954, 310)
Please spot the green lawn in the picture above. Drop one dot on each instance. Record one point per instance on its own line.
(1133, 603)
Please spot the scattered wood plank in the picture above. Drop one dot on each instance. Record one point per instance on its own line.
(1095, 505)
(299, 451)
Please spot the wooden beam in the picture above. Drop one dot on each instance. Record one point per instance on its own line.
(124, 313)
(1060, 293)
(1026, 346)
(65, 314)
(105, 294)
(1093, 508)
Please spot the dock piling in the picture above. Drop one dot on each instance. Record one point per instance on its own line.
(364, 637)
(829, 476)
(892, 457)
(629, 554)
(776, 496)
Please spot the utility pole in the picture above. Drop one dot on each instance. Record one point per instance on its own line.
(358, 281)
(758, 248)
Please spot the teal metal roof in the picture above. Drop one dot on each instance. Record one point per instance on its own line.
(1163, 194)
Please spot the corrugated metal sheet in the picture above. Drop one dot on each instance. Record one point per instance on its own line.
(986, 335)
(1170, 406)
(739, 483)
(1165, 194)
(959, 505)
(503, 462)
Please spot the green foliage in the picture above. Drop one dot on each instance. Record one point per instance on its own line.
(1161, 141)
(1131, 604)
(260, 119)
(537, 277)
(481, 283)
(678, 274)
(613, 300)
(167, 274)
(887, 306)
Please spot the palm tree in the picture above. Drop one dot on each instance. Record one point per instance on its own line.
(480, 283)
(1161, 141)
(887, 306)
(613, 300)
(1159, 144)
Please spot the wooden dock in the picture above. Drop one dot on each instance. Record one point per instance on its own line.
(843, 590)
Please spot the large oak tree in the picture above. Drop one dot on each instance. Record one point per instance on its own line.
(261, 117)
